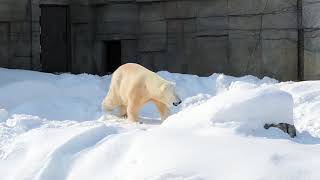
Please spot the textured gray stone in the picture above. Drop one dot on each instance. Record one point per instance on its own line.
(245, 53)
(245, 22)
(150, 43)
(4, 44)
(280, 21)
(279, 59)
(152, 12)
(117, 12)
(212, 55)
(129, 52)
(212, 26)
(311, 55)
(117, 27)
(311, 15)
(80, 14)
(181, 26)
(209, 8)
(240, 7)
(311, 23)
(155, 61)
(180, 9)
(279, 34)
(5, 11)
(153, 27)
(258, 37)
(20, 63)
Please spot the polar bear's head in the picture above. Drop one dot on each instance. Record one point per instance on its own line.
(168, 95)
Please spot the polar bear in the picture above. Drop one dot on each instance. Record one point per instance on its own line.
(132, 86)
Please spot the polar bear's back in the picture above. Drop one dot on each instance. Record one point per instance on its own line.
(133, 69)
(130, 76)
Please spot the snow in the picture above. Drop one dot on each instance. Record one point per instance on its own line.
(52, 127)
(248, 108)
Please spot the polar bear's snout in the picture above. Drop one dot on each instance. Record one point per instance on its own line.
(177, 102)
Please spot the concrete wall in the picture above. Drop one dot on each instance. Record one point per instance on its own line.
(15, 34)
(311, 24)
(236, 37)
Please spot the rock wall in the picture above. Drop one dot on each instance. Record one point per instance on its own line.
(15, 34)
(311, 24)
(236, 37)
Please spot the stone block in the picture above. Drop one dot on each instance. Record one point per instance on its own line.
(36, 12)
(55, 2)
(123, 12)
(36, 27)
(212, 26)
(180, 9)
(20, 62)
(278, 6)
(245, 22)
(117, 27)
(255, 7)
(311, 15)
(153, 27)
(151, 43)
(110, 37)
(36, 64)
(280, 34)
(80, 14)
(243, 34)
(241, 7)
(155, 61)
(209, 8)
(82, 58)
(280, 21)
(19, 10)
(311, 65)
(212, 55)
(181, 51)
(81, 32)
(20, 31)
(148, 0)
(181, 26)
(152, 11)
(4, 32)
(4, 44)
(312, 55)
(21, 48)
(129, 51)
(245, 55)
(5, 11)
(279, 59)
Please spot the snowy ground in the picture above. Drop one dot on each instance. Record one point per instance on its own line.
(52, 128)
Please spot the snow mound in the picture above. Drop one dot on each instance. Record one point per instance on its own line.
(251, 108)
(307, 105)
(24, 122)
(3, 114)
(52, 128)
(195, 100)
(59, 108)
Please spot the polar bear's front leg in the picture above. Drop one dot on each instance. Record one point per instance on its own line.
(107, 105)
(123, 111)
(163, 110)
(132, 111)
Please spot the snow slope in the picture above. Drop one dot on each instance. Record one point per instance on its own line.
(52, 128)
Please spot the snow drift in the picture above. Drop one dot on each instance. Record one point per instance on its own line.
(249, 108)
(52, 127)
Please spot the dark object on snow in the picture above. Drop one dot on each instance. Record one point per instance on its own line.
(287, 128)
